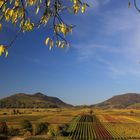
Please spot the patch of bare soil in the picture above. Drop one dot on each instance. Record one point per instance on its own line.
(16, 138)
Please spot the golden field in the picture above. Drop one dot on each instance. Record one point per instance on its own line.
(122, 123)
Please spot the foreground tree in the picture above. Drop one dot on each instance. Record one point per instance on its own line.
(22, 13)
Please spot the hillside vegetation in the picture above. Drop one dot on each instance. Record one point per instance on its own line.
(37, 100)
(128, 100)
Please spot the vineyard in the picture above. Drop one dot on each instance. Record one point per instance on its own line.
(89, 127)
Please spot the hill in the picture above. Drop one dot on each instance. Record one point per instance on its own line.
(37, 100)
(128, 100)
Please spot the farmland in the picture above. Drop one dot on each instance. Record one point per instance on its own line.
(88, 127)
(104, 127)
(52, 116)
(82, 125)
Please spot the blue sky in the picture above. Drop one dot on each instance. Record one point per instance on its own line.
(103, 60)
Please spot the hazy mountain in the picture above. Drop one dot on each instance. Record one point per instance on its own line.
(37, 100)
(129, 100)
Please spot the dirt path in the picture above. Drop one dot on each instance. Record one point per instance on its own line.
(17, 138)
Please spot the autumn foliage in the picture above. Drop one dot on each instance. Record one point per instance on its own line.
(20, 13)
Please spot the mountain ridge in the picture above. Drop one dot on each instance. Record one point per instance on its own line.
(37, 100)
(127, 100)
(40, 100)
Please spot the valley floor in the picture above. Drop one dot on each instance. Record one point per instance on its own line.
(73, 123)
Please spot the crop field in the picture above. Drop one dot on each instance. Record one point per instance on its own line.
(52, 116)
(119, 118)
(89, 127)
(82, 125)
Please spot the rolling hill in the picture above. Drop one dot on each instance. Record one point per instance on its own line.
(128, 100)
(37, 100)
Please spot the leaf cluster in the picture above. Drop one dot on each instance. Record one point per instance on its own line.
(20, 13)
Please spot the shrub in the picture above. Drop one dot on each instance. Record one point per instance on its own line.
(41, 127)
(27, 125)
(54, 131)
(3, 128)
(13, 132)
(4, 113)
(131, 111)
(91, 112)
(14, 111)
(63, 129)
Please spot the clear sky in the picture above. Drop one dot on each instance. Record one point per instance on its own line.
(103, 60)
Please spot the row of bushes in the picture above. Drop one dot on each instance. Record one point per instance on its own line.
(28, 129)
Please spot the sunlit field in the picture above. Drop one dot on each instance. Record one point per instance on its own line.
(82, 124)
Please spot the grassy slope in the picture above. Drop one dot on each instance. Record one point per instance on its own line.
(36, 100)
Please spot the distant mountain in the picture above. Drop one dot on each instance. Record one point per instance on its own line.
(129, 100)
(37, 100)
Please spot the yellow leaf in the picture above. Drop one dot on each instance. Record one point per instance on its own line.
(21, 23)
(4, 8)
(0, 26)
(70, 29)
(75, 1)
(44, 20)
(59, 43)
(6, 14)
(47, 41)
(57, 28)
(14, 17)
(49, 2)
(1, 3)
(2, 49)
(76, 8)
(62, 46)
(83, 9)
(51, 45)
(37, 10)
(64, 29)
(6, 54)
(11, 12)
(16, 3)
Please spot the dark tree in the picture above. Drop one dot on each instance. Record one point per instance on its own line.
(27, 125)
(41, 127)
(3, 128)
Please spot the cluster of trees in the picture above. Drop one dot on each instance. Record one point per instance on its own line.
(5, 131)
(8, 104)
(3, 128)
(28, 129)
(44, 128)
(16, 111)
